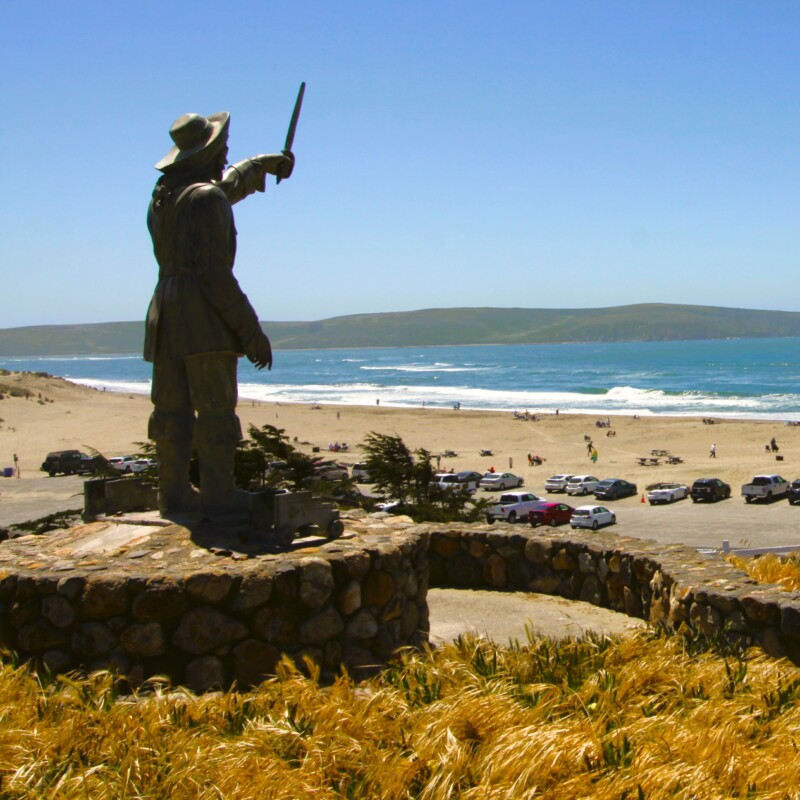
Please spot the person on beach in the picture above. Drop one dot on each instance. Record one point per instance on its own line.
(712, 453)
(594, 455)
(18, 474)
(199, 322)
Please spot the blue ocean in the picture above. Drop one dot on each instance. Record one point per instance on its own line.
(745, 378)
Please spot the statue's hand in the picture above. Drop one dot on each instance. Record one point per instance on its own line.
(259, 351)
(280, 164)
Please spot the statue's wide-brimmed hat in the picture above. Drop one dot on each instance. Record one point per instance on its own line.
(195, 139)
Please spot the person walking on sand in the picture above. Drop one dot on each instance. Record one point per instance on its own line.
(594, 455)
(712, 453)
(589, 448)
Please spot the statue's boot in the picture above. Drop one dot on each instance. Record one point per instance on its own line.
(217, 437)
(172, 433)
(176, 495)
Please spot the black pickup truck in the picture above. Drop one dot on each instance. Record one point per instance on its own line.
(69, 462)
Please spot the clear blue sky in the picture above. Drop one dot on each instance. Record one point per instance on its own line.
(534, 154)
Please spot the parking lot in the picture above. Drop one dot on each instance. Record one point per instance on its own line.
(695, 524)
(38, 495)
(707, 524)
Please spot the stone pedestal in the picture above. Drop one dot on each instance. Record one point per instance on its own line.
(209, 606)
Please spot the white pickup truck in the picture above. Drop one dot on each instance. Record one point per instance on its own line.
(765, 487)
(512, 506)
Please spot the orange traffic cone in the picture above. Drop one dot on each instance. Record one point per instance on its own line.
(643, 498)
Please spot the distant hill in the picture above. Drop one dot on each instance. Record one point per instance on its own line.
(442, 326)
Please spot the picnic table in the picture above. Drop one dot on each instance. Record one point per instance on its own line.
(659, 453)
(647, 461)
(674, 460)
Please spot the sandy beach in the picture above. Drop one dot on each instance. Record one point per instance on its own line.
(60, 415)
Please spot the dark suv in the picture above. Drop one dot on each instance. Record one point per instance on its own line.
(710, 490)
(68, 462)
(614, 488)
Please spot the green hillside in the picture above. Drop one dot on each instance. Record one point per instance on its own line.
(442, 326)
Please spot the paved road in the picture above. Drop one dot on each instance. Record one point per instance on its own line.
(37, 496)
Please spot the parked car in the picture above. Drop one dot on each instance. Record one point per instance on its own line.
(69, 462)
(512, 506)
(394, 507)
(709, 490)
(471, 478)
(666, 493)
(547, 513)
(793, 493)
(614, 488)
(766, 488)
(593, 517)
(581, 484)
(122, 463)
(141, 464)
(360, 473)
(557, 483)
(464, 481)
(330, 471)
(500, 481)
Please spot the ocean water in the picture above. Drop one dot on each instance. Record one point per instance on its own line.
(745, 378)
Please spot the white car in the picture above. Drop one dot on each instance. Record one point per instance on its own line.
(557, 483)
(666, 493)
(593, 517)
(512, 506)
(500, 481)
(141, 464)
(582, 484)
(122, 463)
(459, 481)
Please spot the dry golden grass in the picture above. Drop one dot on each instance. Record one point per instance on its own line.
(629, 718)
(770, 568)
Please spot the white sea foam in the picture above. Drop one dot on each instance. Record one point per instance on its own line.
(425, 368)
(626, 400)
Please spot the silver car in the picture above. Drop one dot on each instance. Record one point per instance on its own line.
(582, 484)
(500, 481)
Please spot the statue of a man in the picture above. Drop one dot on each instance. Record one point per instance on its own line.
(199, 321)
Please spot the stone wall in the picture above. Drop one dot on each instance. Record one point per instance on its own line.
(205, 618)
(663, 584)
(165, 601)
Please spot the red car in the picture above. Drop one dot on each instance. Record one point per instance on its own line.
(550, 514)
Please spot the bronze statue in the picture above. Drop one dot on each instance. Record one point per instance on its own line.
(199, 321)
